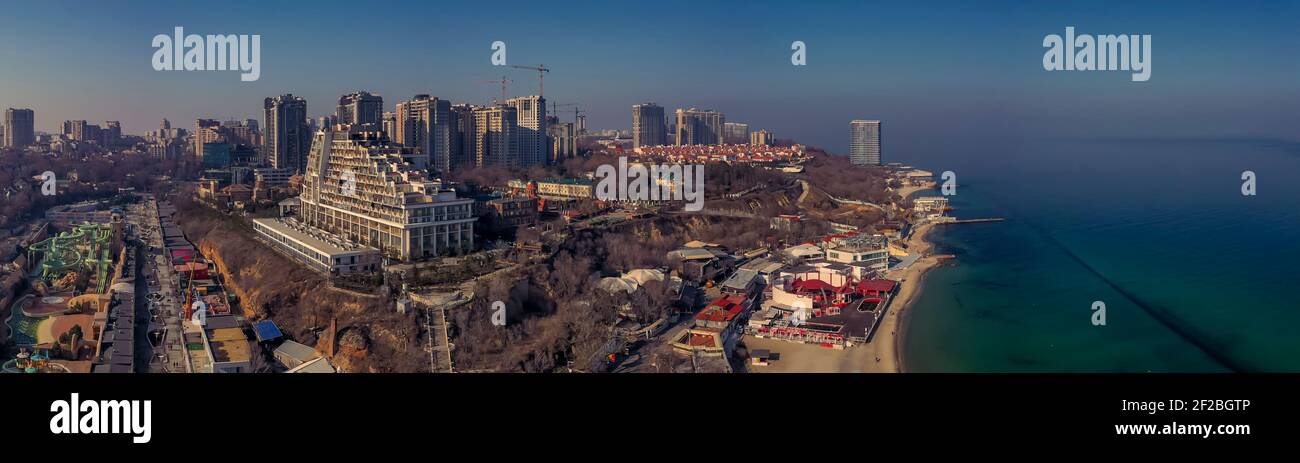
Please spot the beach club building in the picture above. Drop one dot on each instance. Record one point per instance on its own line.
(862, 251)
(929, 206)
(822, 305)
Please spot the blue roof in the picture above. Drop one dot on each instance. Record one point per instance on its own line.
(267, 331)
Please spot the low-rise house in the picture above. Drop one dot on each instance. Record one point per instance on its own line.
(716, 329)
(293, 354)
(805, 251)
(766, 269)
(318, 365)
(742, 282)
(699, 264)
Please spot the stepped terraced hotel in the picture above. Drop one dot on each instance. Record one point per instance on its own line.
(366, 190)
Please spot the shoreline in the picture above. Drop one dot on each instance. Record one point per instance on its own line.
(888, 345)
(918, 242)
(883, 354)
(905, 312)
(904, 322)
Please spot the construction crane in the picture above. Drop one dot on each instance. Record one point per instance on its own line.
(565, 105)
(189, 291)
(503, 83)
(576, 112)
(541, 77)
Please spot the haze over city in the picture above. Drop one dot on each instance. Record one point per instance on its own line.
(1082, 214)
(949, 70)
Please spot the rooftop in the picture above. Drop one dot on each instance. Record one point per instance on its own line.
(762, 266)
(693, 254)
(315, 239)
(296, 351)
(740, 279)
(267, 331)
(229, 345)
(862, 243)
(725, 308)
(319, 365)
(566, 181)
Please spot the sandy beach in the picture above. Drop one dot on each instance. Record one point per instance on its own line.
(887, 342)
(882, 354)
(908, 190)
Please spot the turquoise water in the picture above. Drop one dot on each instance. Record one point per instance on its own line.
(1194, 276)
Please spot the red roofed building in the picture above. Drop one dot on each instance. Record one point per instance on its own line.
(876, 287)
(716, 329)
(722, 313)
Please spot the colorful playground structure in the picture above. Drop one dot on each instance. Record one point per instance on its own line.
(32, 361)
(85, 248)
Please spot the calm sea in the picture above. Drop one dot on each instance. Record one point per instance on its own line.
(1194, 276)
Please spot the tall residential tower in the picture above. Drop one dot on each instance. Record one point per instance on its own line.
(361, 108)
(735, 133)
(699, 127)
(423, 123)
(287, 137)
(530, 114)
(495, 142)
(864, 142)
(648, 127)
(20, 128)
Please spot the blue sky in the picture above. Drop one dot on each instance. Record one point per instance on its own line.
(934, 72)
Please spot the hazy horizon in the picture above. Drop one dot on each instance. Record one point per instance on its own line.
(941, 73)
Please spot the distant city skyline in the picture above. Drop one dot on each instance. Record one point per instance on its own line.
(946, 70)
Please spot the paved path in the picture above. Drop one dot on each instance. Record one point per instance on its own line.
(157, 271)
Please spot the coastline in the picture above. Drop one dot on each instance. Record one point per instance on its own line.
(905, 311)
(883, 354)
(887, 345)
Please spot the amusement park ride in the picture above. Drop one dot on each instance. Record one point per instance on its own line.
(32, 361)
(84, 248)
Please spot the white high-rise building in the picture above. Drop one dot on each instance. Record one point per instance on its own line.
(864, 142)
(530, 113)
